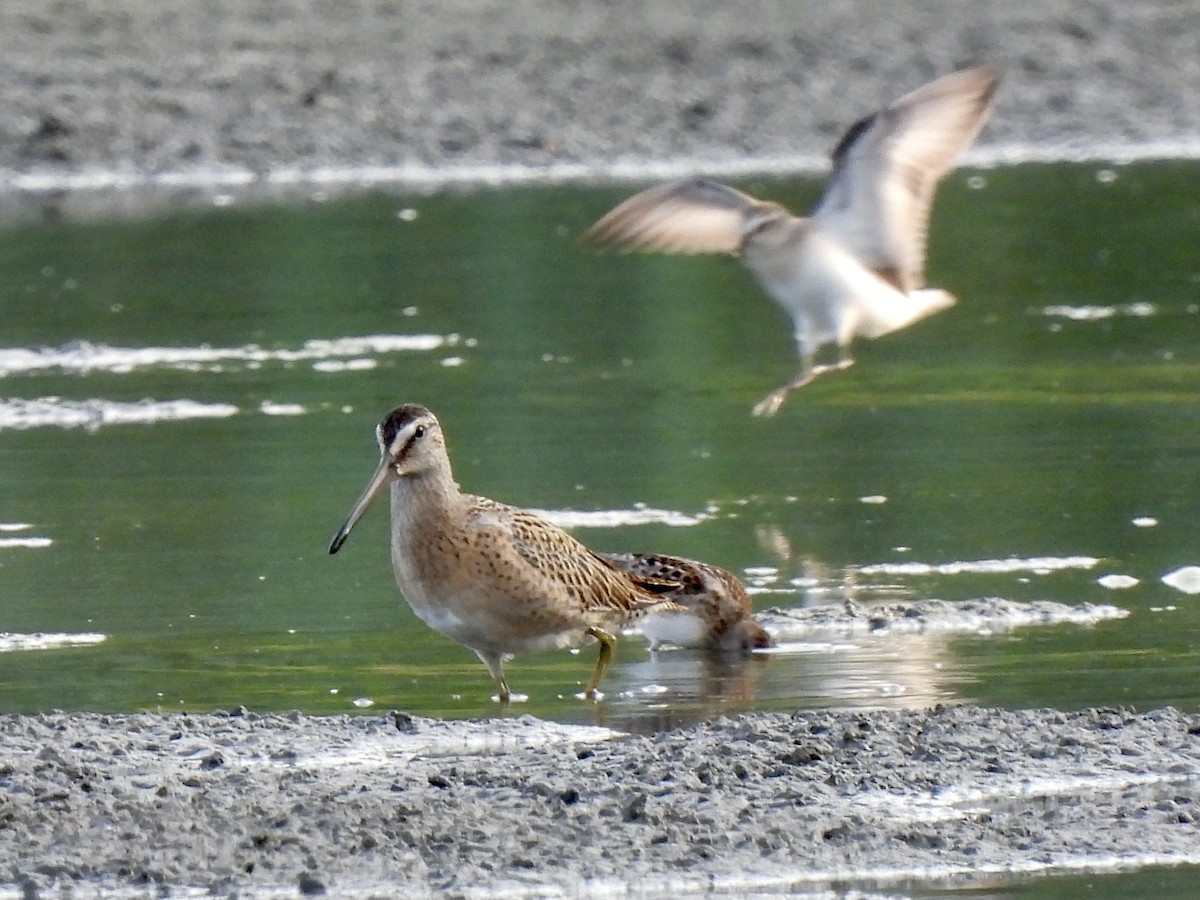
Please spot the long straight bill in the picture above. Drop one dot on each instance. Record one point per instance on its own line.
(374, 488)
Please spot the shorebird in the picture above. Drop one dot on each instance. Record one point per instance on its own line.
(495, 578)
(856, 266)
(713, 610)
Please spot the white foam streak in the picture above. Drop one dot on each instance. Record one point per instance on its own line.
(29, 543)
(268, 408)
(982, 616)
(784, 882)
(1088, 313)
(83, 357)
(617, 518)
(463, 739)
(958, 801)
(1185, 579)
(632, 169)
(1037, 565)
(92, 414)
(11, 642)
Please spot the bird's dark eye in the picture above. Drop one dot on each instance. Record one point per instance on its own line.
(419, 431)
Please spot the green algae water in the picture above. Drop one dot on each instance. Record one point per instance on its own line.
(187, 405)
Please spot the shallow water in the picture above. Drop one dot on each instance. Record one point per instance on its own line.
(1158, 881)
(187, 405)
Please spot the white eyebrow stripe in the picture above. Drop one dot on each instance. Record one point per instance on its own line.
(403, 438)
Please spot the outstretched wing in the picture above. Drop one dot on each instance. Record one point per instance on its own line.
(694, 216)
(887, 166)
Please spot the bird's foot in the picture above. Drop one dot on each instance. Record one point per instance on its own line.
(503, 695)
(827, 368)
(769, 405)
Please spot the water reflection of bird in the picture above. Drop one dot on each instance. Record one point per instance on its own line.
(495, 578)
(685, 688)
(856, 266)
(713, 609)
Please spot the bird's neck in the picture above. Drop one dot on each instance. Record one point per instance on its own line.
(423, 501)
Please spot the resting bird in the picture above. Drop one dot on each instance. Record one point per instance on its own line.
(711, 607)
(856, 266)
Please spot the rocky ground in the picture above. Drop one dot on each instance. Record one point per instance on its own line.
(134, 86)
(241, 805)
(246, 805)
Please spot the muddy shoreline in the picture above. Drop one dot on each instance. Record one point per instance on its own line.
(245, 805)
(220, 97)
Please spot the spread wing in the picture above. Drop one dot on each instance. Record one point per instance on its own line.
(694, 216)
(887, 166)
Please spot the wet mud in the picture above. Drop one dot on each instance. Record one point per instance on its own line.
(245, 805)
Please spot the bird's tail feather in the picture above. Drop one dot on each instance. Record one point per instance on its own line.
(894, 310)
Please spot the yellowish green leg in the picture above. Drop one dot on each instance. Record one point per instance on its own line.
(608, 645)
(495, 665)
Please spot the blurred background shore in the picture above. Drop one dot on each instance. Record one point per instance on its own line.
(139, 86)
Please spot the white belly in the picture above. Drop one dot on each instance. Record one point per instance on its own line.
(462, 618)
(678, 627)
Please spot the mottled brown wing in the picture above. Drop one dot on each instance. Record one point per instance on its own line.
(549, 556)
(658, 573)
(688, 577)
(710, 592)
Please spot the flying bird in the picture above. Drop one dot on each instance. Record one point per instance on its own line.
(855, 267)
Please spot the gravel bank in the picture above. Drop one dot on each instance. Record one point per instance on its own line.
(135, 86)
(245, 805)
